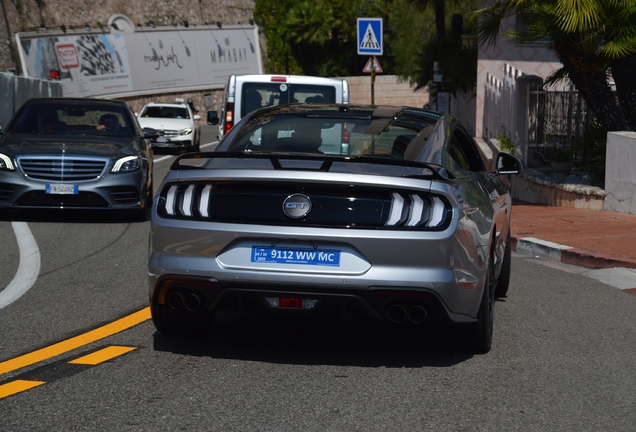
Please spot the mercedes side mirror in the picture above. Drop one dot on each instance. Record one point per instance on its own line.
(150, 133)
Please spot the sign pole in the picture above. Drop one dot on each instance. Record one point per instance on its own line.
(370, 43)
(372, 84)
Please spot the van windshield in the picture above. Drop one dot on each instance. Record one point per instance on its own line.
(260, 95)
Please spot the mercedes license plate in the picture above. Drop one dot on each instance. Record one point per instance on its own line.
(62, 189)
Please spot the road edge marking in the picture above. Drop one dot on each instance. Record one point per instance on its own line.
(28, 268)
(18, 386)
(103, 355)
(75, 342)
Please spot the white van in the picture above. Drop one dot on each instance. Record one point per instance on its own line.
(246, 93)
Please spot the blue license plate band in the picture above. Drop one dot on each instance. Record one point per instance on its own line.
(317, 257)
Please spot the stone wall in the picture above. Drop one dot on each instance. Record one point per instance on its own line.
(387, 90)
(31, 15)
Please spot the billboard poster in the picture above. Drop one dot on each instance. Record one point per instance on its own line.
(88, 65)
(97, 64)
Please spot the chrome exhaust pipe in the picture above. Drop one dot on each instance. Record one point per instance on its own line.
(175, 300)
(417, 314)
(396, 313)
(192, 302)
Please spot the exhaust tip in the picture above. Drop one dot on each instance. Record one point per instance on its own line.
(175, 300)
(417, 314)
(396, 313)
(192, 302)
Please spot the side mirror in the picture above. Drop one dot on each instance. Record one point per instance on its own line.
(150, 133)
(197, 117)
(508, 164)
(213, 118)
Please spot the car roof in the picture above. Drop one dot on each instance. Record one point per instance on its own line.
(168, 104)
(73, 100)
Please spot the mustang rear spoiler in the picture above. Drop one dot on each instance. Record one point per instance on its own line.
(189, 161)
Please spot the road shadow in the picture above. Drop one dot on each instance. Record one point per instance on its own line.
(322, 341)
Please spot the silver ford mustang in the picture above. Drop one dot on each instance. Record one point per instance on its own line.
(387, 212)
(73, 153)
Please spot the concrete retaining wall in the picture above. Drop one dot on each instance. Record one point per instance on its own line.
(387, 90)
(534, 187)
(620, 175)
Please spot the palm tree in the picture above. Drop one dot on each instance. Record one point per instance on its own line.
(591, 38)
(440, 14)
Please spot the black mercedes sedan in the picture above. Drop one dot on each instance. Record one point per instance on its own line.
(75, 153)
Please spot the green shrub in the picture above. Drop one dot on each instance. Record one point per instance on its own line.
(505, 145)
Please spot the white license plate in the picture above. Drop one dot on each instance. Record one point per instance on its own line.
(162, 140)
(62, 189)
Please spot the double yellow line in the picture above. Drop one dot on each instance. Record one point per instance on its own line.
(69, 345)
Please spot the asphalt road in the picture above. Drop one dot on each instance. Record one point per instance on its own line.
(562, 357)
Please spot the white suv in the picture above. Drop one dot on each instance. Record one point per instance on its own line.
(176, 123)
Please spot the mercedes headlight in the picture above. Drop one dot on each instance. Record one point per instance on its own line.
(5, 163)
(127, 164)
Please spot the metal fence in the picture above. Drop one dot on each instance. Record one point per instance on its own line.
(537, 121)
(556, 119)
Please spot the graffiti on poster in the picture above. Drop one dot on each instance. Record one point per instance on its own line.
(102, 64)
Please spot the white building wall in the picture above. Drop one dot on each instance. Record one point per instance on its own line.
(530, 59)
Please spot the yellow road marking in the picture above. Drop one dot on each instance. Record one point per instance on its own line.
(75, 342)
(17, 386)
(102, 355)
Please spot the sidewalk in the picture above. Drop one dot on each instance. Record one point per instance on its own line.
(581, 237)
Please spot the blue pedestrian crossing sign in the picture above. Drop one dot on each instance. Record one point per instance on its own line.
(370, 36)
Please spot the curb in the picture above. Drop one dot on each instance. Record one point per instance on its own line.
(570, 255)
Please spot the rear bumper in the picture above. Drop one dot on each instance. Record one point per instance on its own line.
(382, 303)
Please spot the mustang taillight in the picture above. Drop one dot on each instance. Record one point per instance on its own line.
(413, 210)
(201, 200)
(360, 208)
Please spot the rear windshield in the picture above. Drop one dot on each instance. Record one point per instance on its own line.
(65, 119)
(389, 137)
(259, 95)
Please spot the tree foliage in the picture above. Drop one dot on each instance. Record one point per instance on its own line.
(592, 39)
(314, 37)
(319, 37)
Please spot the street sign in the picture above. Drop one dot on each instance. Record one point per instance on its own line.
(370, 36)
(372, 63)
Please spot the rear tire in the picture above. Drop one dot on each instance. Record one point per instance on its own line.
(479, 334)
(504, 278)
